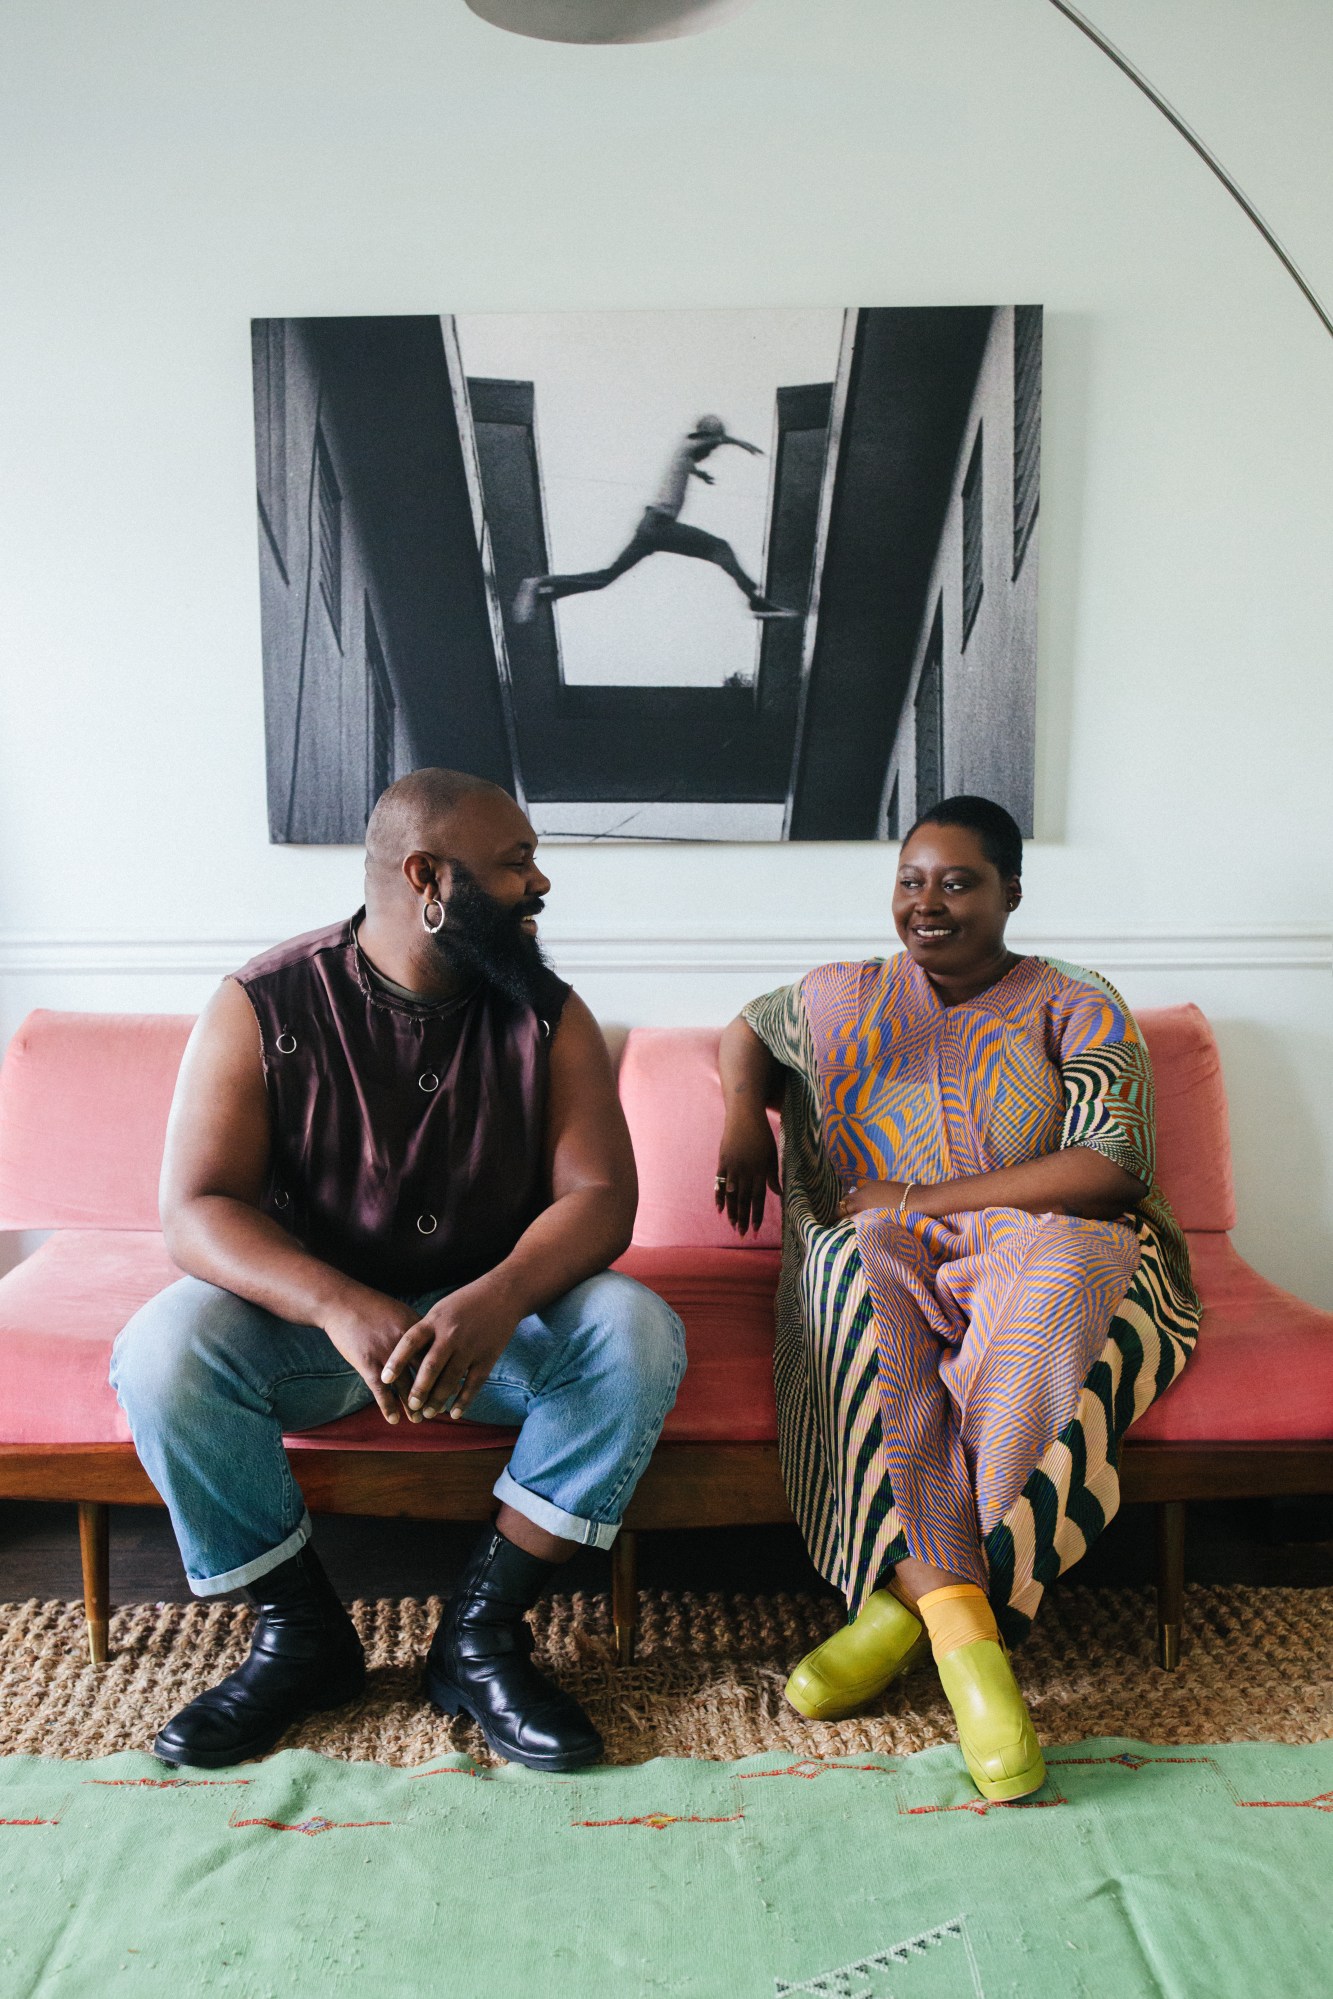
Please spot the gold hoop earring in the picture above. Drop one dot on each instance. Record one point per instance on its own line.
(426, 924)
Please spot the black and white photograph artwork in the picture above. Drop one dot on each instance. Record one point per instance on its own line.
(682, 575)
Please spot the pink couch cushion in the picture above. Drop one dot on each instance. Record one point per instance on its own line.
(673, 1104)
(84, 1100)
(60, 1312)
(1263, 1369)
(61, 1309)
(83, 1112)
(1193, 1141)
(726, 1303)
(725, 1299)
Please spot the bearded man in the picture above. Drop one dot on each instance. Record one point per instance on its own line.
(396, 1171)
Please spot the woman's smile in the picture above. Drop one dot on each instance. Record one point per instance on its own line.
(950, 906)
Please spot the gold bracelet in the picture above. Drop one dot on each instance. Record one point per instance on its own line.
(902, 1205)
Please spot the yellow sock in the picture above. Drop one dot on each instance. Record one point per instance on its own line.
(958, 1615)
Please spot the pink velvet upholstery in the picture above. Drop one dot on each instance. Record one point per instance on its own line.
(60, 1312)
(84, 1100)
(1193, 1139)
(1263, 1369)
(83, 1104)
(726, 1303)
(83, 1112)
(673, 1105)
(61, 1309)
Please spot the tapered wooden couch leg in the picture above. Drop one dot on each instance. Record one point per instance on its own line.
(95, 1548)
(625, 1594)
(1170, 1581)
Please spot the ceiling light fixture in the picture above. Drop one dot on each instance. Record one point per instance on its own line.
(606, 20)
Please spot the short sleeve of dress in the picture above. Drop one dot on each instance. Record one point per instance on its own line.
(1107, 1075)
(780, 1020)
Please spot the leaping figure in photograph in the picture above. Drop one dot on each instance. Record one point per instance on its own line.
(662, 532)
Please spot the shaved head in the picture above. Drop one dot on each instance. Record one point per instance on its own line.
(453, 889)
(410, 814)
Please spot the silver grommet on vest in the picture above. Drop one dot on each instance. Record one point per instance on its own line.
(427, 1224)
(286, 1043)
(429, 1082)
(281, 1198)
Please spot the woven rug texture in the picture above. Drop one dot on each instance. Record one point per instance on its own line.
(707, 1682)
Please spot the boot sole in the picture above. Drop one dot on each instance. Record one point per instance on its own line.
(449, 1701)
(260, 1745)
(1007, 1790)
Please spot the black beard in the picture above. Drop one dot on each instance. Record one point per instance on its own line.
(481, 938)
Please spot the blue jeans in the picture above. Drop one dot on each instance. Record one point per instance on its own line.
(209, 1383)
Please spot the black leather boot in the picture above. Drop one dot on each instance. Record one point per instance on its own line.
(479, 1663)
(304, 1656)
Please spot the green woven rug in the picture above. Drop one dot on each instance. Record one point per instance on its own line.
(1137, 1870)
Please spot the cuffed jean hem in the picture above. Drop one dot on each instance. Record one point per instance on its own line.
(250, 1572)
(567, 1526)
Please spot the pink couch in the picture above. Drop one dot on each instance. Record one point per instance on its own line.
(83, 1107)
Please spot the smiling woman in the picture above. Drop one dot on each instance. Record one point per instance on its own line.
(981, 1288)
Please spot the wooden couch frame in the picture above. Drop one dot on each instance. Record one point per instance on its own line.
(685, 1486)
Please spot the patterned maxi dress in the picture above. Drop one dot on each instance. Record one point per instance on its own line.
(983, 1368)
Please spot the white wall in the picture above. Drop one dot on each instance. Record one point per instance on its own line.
(168, 171)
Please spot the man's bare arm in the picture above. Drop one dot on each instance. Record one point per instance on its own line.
(214, 1172)
(588, 1224)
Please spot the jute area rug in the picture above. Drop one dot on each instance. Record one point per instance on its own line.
(1257, 1667)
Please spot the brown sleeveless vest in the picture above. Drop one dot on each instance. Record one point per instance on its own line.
(408, 1138)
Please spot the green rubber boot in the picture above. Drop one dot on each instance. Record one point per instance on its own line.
(995, 1733)
(848, 1670)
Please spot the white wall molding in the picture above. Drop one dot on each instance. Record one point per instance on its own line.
(32, 954)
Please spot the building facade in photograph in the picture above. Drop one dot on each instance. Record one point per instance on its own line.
(973, 675)
(378, 650)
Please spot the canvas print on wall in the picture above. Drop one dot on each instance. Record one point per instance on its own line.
(730, 575)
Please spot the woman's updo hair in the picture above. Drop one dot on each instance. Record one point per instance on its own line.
(996, 829)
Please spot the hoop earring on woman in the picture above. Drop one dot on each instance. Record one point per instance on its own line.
(426, 907)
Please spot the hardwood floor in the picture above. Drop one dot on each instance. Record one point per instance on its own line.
(1277, 1542)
